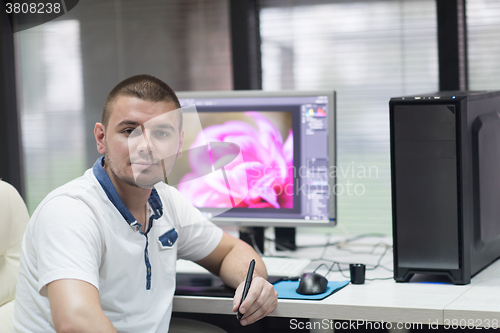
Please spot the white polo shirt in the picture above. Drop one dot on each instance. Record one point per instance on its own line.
(83, 231)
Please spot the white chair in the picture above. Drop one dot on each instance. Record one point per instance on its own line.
(13, 220)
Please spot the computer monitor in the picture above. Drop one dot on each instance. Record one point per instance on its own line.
(287, 141)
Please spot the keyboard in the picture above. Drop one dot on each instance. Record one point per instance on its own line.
(276, 266)
(285, 267)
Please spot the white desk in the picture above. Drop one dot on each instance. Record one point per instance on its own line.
(479, 304)
(382, 300)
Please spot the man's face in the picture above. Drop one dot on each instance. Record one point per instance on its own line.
(142, 141)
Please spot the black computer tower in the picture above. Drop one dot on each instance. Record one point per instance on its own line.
(445, 167)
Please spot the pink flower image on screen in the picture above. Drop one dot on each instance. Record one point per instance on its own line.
(268, 166)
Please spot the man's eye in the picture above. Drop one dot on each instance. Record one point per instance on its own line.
(161, 134)
(131, 132)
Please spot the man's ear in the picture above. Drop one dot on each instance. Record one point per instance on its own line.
(99, 133)
(181, 143)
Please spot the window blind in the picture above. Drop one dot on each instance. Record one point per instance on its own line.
(367, 51)
(67, 67)
(50, 94)
(483, 39)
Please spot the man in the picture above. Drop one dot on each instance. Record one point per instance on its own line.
(99, 252)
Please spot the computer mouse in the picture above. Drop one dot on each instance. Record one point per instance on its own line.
(312, 284)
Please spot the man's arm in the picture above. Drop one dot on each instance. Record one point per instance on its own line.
(76, 307)
(230, 260)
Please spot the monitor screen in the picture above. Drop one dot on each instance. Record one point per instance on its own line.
(287, 144)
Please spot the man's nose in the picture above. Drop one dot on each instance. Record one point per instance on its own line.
(144, 144)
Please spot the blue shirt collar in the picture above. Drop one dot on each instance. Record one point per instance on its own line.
(106, 184)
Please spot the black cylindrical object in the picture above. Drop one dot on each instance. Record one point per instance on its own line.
(357, 273)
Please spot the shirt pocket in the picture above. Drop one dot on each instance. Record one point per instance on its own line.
(168, 239)
(167, 249)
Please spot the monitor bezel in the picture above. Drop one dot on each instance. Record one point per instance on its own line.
(332, 154)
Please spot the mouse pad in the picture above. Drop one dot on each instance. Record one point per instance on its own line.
(286, 289)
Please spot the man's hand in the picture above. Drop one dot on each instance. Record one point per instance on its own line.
(261, 300)
(230, 261)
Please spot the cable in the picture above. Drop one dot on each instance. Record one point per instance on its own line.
(326, 247)
(380, 259)
(369, 267)
(340, 246)
(342, 272)
(319, 267)
(254, 243)
(364, 252)
(342, 241)
(386, 278)
(280, 246)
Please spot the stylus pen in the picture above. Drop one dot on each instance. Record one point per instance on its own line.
(248, 281)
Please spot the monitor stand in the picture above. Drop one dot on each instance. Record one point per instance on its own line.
(257, 233)
(284, 238)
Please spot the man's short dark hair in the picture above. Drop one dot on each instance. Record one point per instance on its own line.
(145, 87)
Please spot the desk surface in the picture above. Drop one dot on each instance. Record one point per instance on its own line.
(382, 300)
